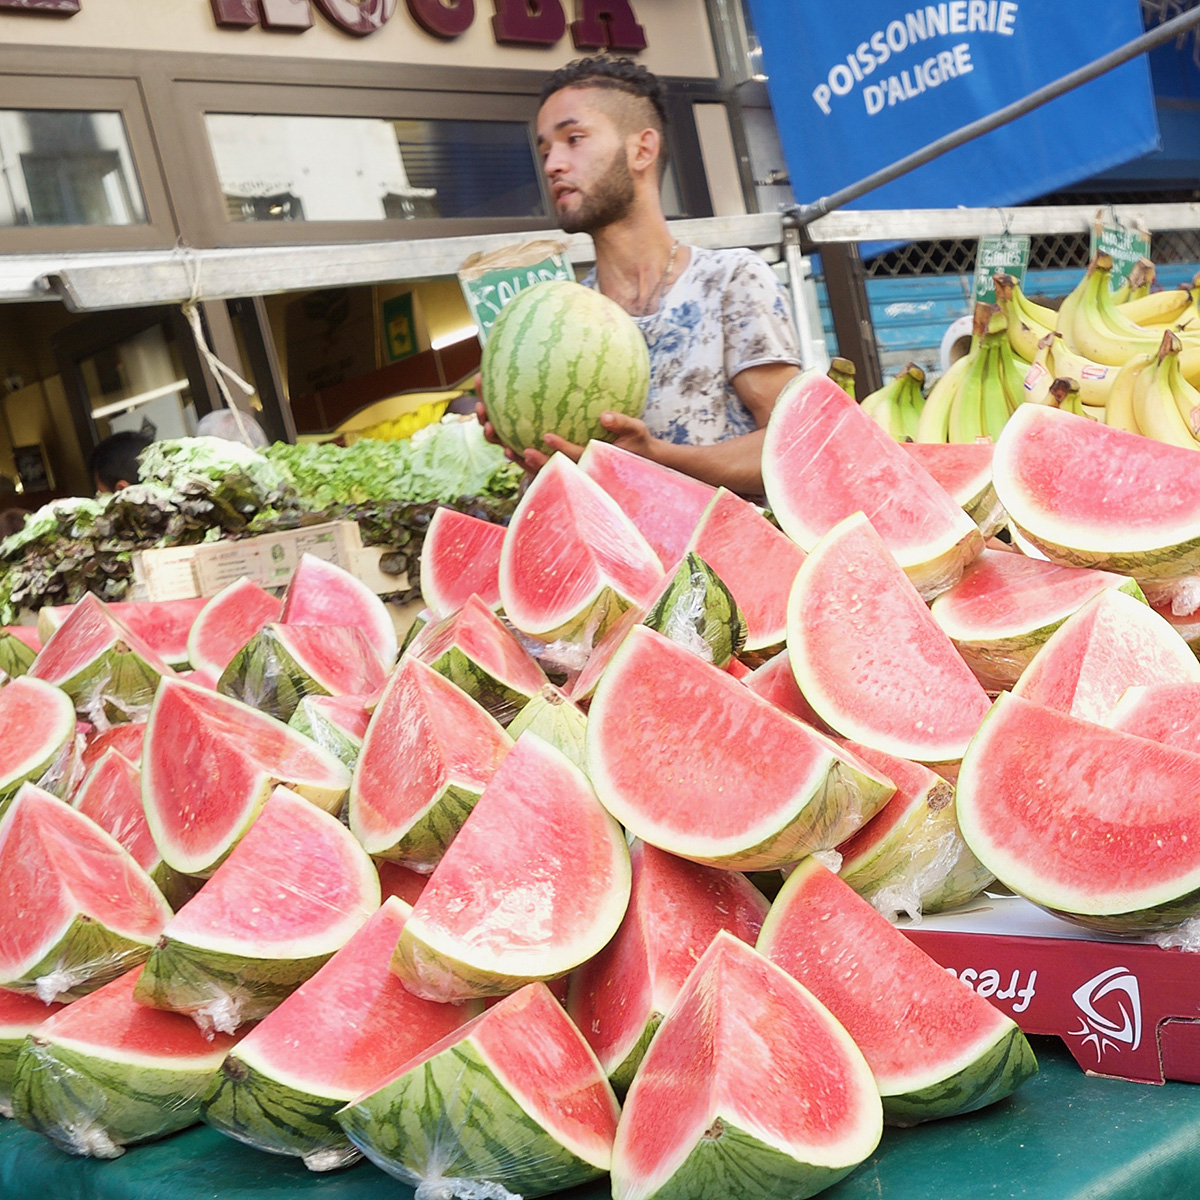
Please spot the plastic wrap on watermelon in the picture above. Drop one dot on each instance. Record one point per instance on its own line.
(1184, 937)
(336, 723)
(107, 1072)
(1181, 596)
(698, 611)
(513, 1104)
(66, 771)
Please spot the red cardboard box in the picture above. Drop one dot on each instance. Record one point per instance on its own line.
(1127, 1009)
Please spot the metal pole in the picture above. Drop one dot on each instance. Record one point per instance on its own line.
(803, 214)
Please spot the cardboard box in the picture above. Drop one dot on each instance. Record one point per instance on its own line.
(180, 572)
(1125, 1009)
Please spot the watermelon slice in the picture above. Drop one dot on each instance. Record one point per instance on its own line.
(26, 634)
(936, 1048)
(400, 881)
(574, 582)
(20, 1015)
(164, 625)
(429, 752)
(337, 1037)
(460, 558)
(1164, 712)
(535, 883)
(16, 655)
(664, 504)
(557, 720)
(209, 765)
(757, 563)
(824, 459)
(37, 721)
(76, 909)
(107, 1072)
(514, 1102)
(1099, 826)
(776, 681)
(106, 669)
(336, 723)
(474, 650)
(293, 891)
(227, 622)
(584, 687)
(868, 656)
(320, 593)
(1113, 642)
(910, 857)
(281, 664)
(705, 1117)
(676, 908)
(1006, 605)
(689, 760)
(126, 739)
(964, 469)
(1143, 520)
(697, 610)
(1188, 627)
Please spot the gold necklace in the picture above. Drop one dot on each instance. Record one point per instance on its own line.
(656, 295)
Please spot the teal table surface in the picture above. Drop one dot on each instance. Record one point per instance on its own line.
(1064, 1136)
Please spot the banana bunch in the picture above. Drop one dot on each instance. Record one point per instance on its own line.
(1137, 284)
(842, 372)
(896, 407)
(1152, 397)
(405, 425)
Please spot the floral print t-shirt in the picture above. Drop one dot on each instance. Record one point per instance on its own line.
(725, 312)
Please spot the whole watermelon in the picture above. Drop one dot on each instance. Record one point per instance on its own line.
(558, 356)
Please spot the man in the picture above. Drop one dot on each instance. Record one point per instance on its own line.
(113, 463)
(717, 322)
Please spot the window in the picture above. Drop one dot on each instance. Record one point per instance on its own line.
(63, 167)
(277, 167)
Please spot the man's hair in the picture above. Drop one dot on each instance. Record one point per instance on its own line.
(615, 75)
(116, 458)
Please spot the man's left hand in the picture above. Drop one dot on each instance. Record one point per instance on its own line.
(629, 433)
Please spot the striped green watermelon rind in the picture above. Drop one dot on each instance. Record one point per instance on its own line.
(219, 990)
(419, 622)
(241, 606)
(316, 726)
(557, 357)
(621, 1076)
(266, 1113)
(264, 675)
(19, 1017)
(996, 1073)
(38, 732)
(86, 957)
(16, 656)
(88, 1104)
(497, 697)
(698, 611)
(555, 719)
(426, 840)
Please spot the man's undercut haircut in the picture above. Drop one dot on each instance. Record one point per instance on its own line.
(643, 105)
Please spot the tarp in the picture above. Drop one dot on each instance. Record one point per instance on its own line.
(857, 86)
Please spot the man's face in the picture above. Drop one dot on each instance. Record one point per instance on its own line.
(585, 159)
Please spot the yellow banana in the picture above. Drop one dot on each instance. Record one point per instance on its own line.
(1064, 394)
(881, 407)
(1040, 375)
(1154, 403)
(1189, 365)
(1158, 308)
(1187, 397)
(1118, 412)
(1024, 333)
(966, 413)
(1097, 331)
(933, 425)
(1032, 313)
(842, 372)
(1095, 379)
(993, 405)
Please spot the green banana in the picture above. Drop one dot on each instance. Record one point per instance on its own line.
(934, 422)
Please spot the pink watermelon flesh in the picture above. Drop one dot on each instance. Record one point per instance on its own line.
(27, 634)
(915, 1023)
(207, 764)
(963, 469)
(552, 582)
(776, 681)
(664, 504)
(400, 881)
(483, 638)
(163, 625)
(338, 657)
(582, 689)
(460, 558)
(227, 622)
(425, 734)
(87, 632)
(870, 659)
(126, 739)
(745, 1046)
(689, 759)
(290, 883)
(824, 459)
(321, 593)
(1163, 712)
(350, 713)
(34, 718)
(535, 883)
(350, 1026)
(111, 795)
(111, 1022)
(1112, 643)
(756, 562)
(56, 865)
(676, 908)
(1081, 819)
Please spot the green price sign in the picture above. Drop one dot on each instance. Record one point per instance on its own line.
(1004, 253)
(1123, 244)
(492, 290)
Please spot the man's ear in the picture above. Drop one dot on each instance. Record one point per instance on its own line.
(644, 150)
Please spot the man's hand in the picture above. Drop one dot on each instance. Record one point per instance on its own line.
(629, 433)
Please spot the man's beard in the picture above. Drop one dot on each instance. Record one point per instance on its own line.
(607, 204)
